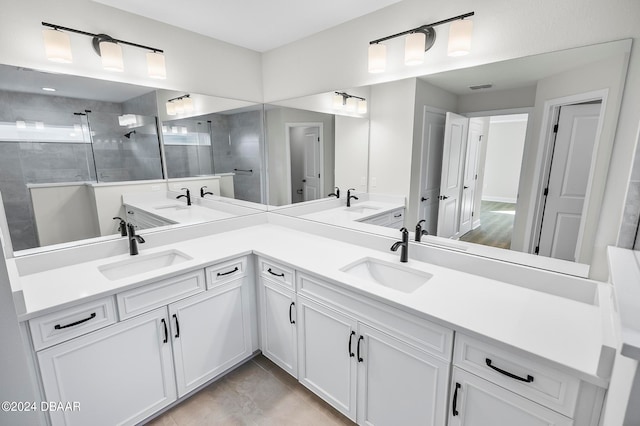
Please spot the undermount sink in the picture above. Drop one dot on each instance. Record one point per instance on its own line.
(388, 274)
(141, 264)
(362, 209)
(172, 207)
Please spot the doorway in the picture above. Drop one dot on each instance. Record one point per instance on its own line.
(305, 147)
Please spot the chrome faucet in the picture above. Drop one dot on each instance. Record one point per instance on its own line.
(419, 231)
(202, 193)
(187, 196)
(133, 239)
(335, 194)
(349, 196)
(122, 226)
(404, 252)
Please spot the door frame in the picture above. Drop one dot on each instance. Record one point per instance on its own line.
(551, 112)
(287, 148)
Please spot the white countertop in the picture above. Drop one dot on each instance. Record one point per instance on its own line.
(177, 211)
(561, 330)
(625, 277)
(358, 212)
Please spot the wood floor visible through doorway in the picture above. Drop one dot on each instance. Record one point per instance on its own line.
(496, 225)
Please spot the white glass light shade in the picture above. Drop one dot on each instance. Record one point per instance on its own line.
(21, 124)
(338, 101)
(171, 108)
(57, 46)
(187, 104)
(460, 37)
(156, 66)
(183, 130)
(414, 48)
(111, 54)
(362, 106)
(179, 104)
(174, 129)
(39, 125)
(377, 58)
(165, 129)
(352, 104)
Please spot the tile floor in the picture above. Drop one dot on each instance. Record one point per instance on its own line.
(256, 393)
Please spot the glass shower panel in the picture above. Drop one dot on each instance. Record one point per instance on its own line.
(125, 147)
(38, 147)
(187, 148)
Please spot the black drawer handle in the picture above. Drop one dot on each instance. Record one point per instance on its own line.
(529, 378)
(351, 354)
(221, 274)
(166, 331)
(397, 215)
(60, 327)
(273, 273)
(291, 320)
(175, 317)
(454, 409)
(360, 339)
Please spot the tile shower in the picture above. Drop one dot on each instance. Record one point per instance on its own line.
(51, 139)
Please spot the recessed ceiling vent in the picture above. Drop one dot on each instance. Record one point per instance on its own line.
(481, 86)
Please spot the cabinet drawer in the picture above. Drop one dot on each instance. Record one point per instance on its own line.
(225, 272)
(541, 383)
(54, 328)
(145, 298)
(276, 272)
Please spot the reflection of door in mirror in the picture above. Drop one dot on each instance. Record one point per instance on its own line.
(305, 148)
(431, 168)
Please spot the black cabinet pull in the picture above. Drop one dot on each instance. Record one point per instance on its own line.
(291, 320)
(397, 215)
(273, 273)
(454, 408)
(166, 331)
(351, 354)
(60, 327)
(175, 317)
(529, 378)
(221, 274)
(361, 338)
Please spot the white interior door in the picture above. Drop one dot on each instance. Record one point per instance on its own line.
(470, 175)
(311, 180)
(431, 169)
(453, 156)
(568, 178)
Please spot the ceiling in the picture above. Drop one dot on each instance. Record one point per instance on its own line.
(255, 24)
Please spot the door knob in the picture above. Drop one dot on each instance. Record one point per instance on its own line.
(422, 199)
(442, 197)
(465, 187)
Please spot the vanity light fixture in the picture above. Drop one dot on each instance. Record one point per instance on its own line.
(350, 103)
(421, 39)
(180, 105)
(58, 49)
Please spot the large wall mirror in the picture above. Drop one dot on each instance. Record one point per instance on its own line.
(510, 158)
(71, 147)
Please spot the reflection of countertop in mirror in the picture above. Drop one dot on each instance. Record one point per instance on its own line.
(562, 330)
(625, 277)
(176, 211)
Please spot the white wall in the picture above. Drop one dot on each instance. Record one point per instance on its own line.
(194, 63)
(64, 213)
(391, 137)
(352, 153)
(522, 97)
(505, 143)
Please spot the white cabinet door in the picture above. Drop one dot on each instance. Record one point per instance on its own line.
(397, 383)
(211, 332)
(120, 374)
(478, 402)
(278, 319)
(326, 359)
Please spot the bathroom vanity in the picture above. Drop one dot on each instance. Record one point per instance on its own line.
(455, 340)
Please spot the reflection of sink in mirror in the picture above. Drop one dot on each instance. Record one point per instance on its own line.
(388, 274)
(142, 264)
(362, 209)
(172, 207)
